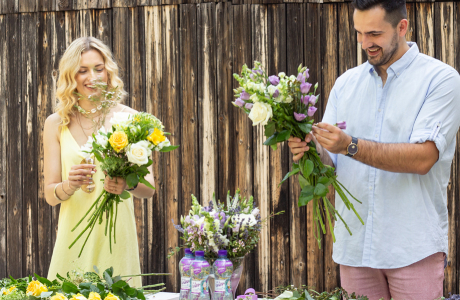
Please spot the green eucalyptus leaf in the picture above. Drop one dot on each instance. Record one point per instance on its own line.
(306, 195)
(323, 180)
(303, 181)
(307, 167)
(125, 195)
(293, 172)
(68, 287)
(131, 291)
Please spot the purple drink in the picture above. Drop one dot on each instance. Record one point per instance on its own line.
(184, 268)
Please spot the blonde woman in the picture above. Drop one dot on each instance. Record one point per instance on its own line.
(86, 61)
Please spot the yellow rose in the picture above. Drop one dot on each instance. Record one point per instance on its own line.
(94, 296)
(111, 296)
(35, 288)
(78, 297)
(156, 137)
(118, 140)
(59, 296)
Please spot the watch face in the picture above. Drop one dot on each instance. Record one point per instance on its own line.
(352, 149)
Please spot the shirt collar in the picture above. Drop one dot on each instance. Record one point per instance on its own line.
(401, 64)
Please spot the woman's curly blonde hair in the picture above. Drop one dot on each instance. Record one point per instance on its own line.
(68, 68)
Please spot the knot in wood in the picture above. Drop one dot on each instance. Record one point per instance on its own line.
(63, 3)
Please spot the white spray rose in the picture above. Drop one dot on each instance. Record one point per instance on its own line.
(261, 87)
(288, 99)
(271, 89)
(254, 98)
(260, 113)
(138, 154)
(281, 74)
(102, 140)
(121, 119)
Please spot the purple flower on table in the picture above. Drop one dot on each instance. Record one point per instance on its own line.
(311, 111)
(249, 105)
(313, 99)
(245, 96)
(305, 99)
(276, 93)
(239, 102)
(299, 117)
(301, 78)
(305, 87)
(274, 80)
(306, 74)
(342, 125)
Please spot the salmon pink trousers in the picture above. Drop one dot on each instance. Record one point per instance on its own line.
(422, 280)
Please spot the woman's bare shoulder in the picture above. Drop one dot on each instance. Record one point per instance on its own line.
(52, 124)
(125, 108)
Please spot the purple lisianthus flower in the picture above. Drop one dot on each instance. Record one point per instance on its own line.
(274, 80)
(313, 99)
(305, 87)
(306, 73)
(244, 95)
(311, 111)
(251, 76)
(299, 117)
(301, 78)
(249, 105)
(305, 99)
(260, 72)
(342, 125)
(276, 93)
(239, 102)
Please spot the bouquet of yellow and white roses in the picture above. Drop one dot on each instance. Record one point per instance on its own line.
(123, 151)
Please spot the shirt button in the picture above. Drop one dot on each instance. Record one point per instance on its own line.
(370, 188)
(376, 136)
(370, 213)
(379, 85)
(380, 110)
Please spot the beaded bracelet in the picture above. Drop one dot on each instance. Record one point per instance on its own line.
(55, 195)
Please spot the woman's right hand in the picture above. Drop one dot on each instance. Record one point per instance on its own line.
(78, 175)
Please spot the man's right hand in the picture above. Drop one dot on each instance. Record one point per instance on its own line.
(299, 147)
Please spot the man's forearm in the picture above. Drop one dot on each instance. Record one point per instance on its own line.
(400, 158)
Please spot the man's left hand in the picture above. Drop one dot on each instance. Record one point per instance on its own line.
(332, 138)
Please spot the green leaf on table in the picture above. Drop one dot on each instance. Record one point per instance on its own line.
(69, 287)
(303, 181)
(169, 148)
(321, 190)
(142, 180)
(270, 129)
(307, 167)
(305, 127)
(131, 180)
(306, 195)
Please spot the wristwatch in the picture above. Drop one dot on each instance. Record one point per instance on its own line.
(352, 149)
(133, 188)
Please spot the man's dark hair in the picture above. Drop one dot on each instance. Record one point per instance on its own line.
(395, 9)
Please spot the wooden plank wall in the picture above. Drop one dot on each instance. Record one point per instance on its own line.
(177, 58)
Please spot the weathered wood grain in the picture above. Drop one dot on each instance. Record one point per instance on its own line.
(313, 41)
(425, 28)
(225, 109)
(3, 144)
(156, 249)
(14, 236)
(298, 238)
(329, 75)
(279, 160)
(103, 26)
(189, 114)
(259, 17)
(124, 3)
(29, 142)
(27, 6)
(244, 138)
(411, 34)
(207, 100)
(120, 46)
(170, 95)
(347, 38)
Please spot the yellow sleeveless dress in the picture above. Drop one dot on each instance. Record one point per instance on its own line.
(125, 253)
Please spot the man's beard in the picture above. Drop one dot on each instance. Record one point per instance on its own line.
(385, 55)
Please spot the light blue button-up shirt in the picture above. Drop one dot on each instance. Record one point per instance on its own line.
(405, 215)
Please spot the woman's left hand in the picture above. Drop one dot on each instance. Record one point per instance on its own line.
(115, 186)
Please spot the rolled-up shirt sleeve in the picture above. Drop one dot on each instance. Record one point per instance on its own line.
(439, 116)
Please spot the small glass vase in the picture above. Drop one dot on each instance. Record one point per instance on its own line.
(88, 188)
(238, 263)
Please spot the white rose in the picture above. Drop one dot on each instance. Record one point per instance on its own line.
(260, 113)
(288, 99)
(254, 98)
(271, 89)
(102, 140)
(121, 119)
(261, 87)
(281, 74)
(147, 145)
(137, 154)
